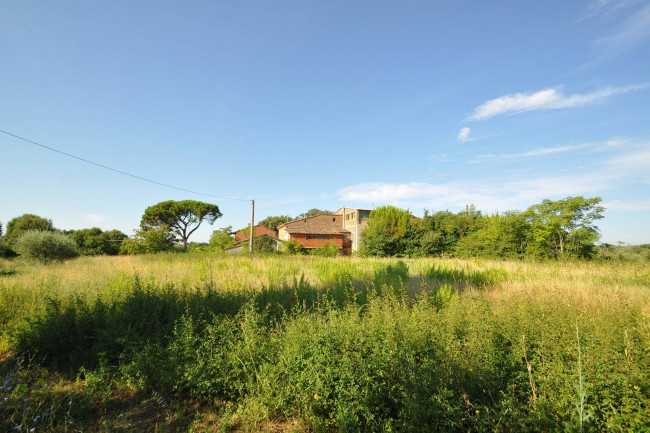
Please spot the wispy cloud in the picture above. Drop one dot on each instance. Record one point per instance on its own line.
(546, 99)
(95, 218)
(539, 152)
(631, 32)
(607, 7)
(518, 190)
(463, 135)
(489, 196)
(632, 205)
(440, 157)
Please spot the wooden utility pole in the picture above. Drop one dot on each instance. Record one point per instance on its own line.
(250, 243)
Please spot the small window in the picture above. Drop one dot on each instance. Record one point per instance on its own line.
(364, 215)
(310, 237)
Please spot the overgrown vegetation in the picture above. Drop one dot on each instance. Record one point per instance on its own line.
(551, 229)
(324, 344)
(45, 246)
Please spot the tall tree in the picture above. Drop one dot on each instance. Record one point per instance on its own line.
(181, 218)
(565, 226)
(94, 241)
(24, 223)
(313, 212)
(272, 222)
(385, 233)
(221, 239)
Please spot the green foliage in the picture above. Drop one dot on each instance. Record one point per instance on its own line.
(94, 241)
(498, 236)
(624, 252)
(292, 247)
(19, 225)
(362, 353)
(181, 218)
(313, 212)
(330, 249)
(45, 247)
(264, 245)
(565, 227)
(384, 234)
(272, 222)
(148, 242)
(221, 239)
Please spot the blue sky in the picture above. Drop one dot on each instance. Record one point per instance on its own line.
(303, 104)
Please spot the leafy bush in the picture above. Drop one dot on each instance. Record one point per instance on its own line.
(148, 242)
(328, 250)
(94, 241)
(292, 247)
(24, 223)
(46, 247)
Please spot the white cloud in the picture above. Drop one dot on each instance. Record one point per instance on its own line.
(463, 135)
(489, 196)
(634, 205)
(607, 7)
(440, 157)
(517, 190)
(546, 99)
(635, 29)
(94, 218)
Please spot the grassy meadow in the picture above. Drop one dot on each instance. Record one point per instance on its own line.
(197, 342)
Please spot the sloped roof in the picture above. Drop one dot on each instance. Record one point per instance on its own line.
(317, 225)
(259, 231)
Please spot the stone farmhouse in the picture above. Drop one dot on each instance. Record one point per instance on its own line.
(343, 228)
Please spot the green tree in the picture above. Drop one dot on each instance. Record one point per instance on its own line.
(272, 222)
(94, 241)
(385, 233)
(221, 239)
(114, 239)
(565, 227)
(19, 225)
(180, 218)
(151, 241)
(263, 244)
(497, 236)
(313, 212)
(45, 246)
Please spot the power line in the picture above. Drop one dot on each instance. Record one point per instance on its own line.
(120, 171)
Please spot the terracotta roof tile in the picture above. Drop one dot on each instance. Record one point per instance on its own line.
(240, 235)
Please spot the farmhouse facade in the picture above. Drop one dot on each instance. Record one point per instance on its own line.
(343, 229)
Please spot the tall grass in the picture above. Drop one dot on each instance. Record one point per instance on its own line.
(349, 344)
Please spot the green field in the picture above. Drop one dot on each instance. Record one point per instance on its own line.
(194, 342)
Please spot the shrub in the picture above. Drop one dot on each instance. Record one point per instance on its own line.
(328, 250)
(45, 246)
(292, 247)
(24, 223)
(148, 242)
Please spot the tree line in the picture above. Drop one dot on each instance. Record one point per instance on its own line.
(163, 227)
(550, 229)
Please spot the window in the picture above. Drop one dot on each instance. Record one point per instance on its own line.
(310, 237)
(353, 215)
(364, 215)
